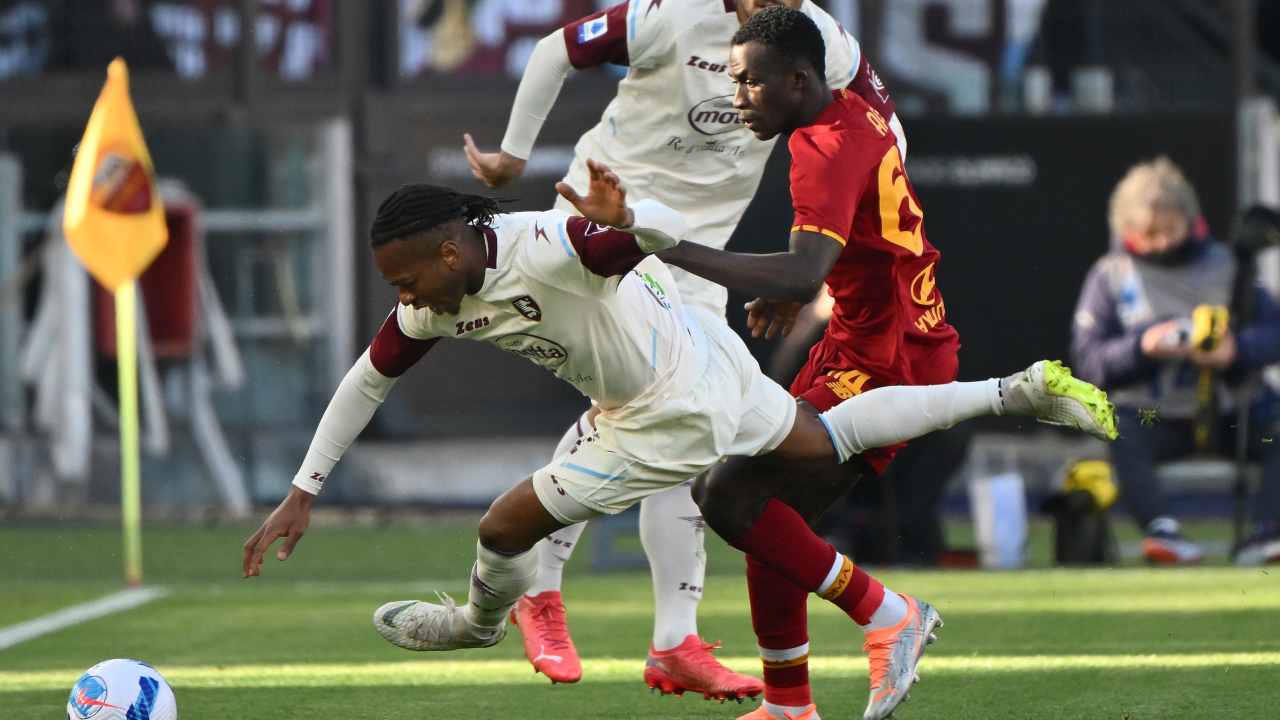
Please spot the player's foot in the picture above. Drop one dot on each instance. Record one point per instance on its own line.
(547, 644)
(1260, 548)
(690, 667)
(1048, 392)
(894, 653)
(762, 713)
(416, 625)
(1164, 544)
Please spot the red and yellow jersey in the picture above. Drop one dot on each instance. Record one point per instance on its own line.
(848, 183)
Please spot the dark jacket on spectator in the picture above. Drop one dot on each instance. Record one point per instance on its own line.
(1124, 294)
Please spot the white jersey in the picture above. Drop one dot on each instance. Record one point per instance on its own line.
(621, 340)
(671, 132)
(591, 305)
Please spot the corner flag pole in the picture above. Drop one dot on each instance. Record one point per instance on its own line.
(130, 476)
(114, 222)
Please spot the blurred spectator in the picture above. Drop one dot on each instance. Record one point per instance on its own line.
(91, 34)
(1131, 335)
(24, 37)
(193, 38)
(467, 37)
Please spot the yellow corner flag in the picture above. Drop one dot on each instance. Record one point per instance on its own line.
(114, 222)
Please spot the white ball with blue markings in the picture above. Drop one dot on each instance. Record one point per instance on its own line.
(121, 690)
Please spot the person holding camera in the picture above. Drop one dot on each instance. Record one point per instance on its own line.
(1151, 327)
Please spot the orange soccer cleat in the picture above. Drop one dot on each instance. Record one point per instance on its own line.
(547, 644)
(894, 653)
(760, 713)
(690, 667)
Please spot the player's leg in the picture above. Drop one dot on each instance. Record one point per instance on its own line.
(679, 660)
(540, 613)
(556, 549)
(1133, 457)
(505, 567)
(778, 536)
(671, 533)
(779, 607)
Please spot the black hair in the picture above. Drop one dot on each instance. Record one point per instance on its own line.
(790, 33)
(419, 207)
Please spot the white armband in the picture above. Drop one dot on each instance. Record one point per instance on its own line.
(358, 396)
(539, 86)
(656, 227)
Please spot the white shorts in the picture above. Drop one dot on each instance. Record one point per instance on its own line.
(731, 409)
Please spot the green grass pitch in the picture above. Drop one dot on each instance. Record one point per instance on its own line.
(1128, 643)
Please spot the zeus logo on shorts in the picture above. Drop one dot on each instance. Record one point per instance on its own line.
(593, 29)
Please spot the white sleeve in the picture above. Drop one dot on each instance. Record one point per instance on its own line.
(576, 255)
(651, 32)
(842, 52)
(539, 87)
(358, 396)
(656, 226)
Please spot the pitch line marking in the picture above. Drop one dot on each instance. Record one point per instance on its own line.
(76, 614)
(415, 673)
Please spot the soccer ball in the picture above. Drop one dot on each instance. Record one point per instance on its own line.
(121, 690)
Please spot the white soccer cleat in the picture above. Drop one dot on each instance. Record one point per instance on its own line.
(417, 625)
(1048, 392)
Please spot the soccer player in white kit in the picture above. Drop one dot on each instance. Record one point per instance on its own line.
(671, 134)
(583, 298)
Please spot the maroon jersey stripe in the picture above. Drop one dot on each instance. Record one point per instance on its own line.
(392, 352)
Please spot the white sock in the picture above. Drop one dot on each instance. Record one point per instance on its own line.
(553, 552)
(497, 581)
(890, 415)
(555, 549)
(891, 611)
(777, 711)
(671, 530)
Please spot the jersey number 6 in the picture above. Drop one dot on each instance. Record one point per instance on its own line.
(897, 207)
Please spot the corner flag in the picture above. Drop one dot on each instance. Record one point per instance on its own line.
(114, 222)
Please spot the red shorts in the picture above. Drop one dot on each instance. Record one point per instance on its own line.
(831, 376)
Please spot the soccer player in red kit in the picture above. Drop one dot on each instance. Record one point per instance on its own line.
(858, 227)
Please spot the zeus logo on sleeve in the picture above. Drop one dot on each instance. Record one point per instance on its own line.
(592, 29)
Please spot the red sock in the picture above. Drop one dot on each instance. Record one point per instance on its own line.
(852, 590)
(779, 616)
(782, 540)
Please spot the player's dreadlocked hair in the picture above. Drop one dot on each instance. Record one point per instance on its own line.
(790, 33)
(415, 208)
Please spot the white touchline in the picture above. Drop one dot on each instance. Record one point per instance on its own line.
(76, 614)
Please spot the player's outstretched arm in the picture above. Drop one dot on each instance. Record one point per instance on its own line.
(361, 392)
(540, 85)
(652, 226)
(796, 275)
(606, 199)
(494, 169)
(289, 521)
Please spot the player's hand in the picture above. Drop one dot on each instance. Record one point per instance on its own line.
(289, 521)
(772, 317)
(1164, 341)
(1219, 358)
(606, 200)
(494, 169)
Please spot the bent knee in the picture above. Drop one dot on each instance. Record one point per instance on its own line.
(495, 532)
(727, 499)
(700, 490)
